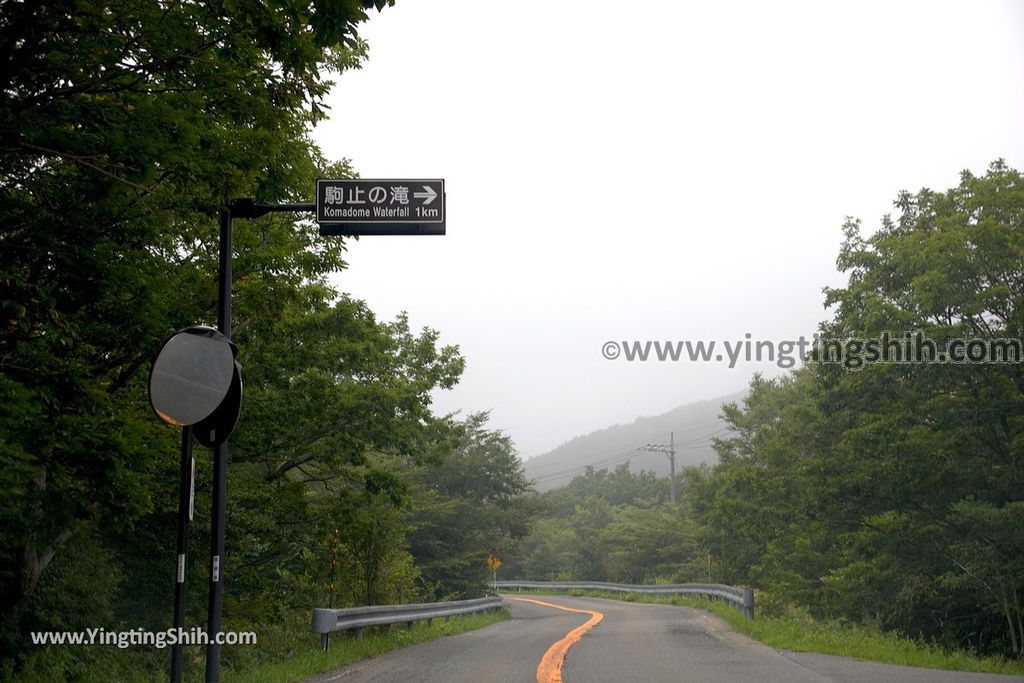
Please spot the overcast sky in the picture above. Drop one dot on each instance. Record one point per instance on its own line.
(662, 170)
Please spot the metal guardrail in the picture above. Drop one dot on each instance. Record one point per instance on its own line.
(328, 621)
(740, 597)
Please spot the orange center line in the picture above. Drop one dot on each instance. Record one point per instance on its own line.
(550, 668)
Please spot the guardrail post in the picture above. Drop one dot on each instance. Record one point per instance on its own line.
(359, 634)
(325, 641)
(748, 603)
(408, 625)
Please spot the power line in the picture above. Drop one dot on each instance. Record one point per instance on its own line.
(624, 456)
(613, 449)
(692, 444)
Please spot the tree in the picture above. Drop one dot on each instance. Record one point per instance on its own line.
(644, 545)
(603, 525)
(986, 548)
(937, 440)
(471, 503)
(124, 126)
(889, 493)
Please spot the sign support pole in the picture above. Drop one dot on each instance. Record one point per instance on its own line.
(184, 514)
(220, 468)
(241, 208)
(248, 208)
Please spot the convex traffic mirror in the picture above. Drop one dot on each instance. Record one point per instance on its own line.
(195, 381)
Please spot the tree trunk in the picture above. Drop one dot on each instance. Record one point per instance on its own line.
(1014, 640)
(1020, 620)
(34, 563)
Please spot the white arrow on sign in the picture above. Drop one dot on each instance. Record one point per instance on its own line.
(428, 196)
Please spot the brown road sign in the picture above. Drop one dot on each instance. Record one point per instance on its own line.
(380, 207)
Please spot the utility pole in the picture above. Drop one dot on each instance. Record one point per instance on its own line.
(670, 451)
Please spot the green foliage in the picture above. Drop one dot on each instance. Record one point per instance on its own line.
(644, 545)
(304, 659)
(125, 126)
(472, 503)
(287, 652)
(892, 494)
(886, 498)
(610, 526)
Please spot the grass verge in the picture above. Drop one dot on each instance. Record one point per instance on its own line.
(802, 633)
(347, 649)
(286, 652)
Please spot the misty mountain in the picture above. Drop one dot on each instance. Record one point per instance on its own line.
(693, 425)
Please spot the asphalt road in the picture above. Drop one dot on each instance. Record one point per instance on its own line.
(632, 642)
